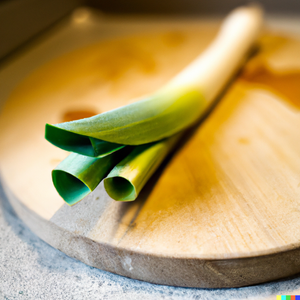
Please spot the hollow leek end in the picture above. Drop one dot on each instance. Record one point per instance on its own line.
(127, 178)
(120, 188)
(70, 188)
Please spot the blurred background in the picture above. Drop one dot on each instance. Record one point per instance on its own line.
(21, 20)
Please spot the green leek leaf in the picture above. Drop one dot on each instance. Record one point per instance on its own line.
(145, 121)
(127, 178)
(80, 144)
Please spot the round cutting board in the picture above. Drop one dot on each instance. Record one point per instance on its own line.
(222, 211)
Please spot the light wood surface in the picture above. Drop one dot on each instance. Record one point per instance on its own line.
(223, 211)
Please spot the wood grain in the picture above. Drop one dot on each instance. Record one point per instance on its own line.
(222, 211)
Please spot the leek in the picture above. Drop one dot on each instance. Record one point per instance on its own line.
(153, 125)
(78, 175)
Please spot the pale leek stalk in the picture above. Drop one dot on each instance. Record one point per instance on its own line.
(175, 106)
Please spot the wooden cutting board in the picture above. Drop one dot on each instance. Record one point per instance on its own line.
(222, 211)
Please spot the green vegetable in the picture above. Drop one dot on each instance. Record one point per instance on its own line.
(77, 175)
(148, 120)
(152, 124)
(128, 177)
